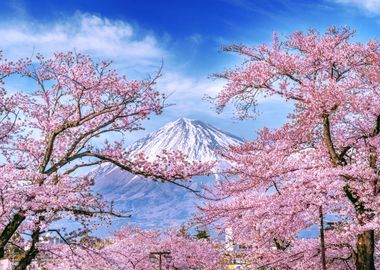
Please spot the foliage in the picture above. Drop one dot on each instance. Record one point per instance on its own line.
(58, 127)
(326, 155)
(133, 248)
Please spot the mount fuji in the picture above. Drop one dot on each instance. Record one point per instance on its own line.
(156, 204)
(196, 139)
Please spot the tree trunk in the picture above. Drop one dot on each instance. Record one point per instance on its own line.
(365, 246)
(322, 236)
(9, 231)
(31, 254)
(27, 260)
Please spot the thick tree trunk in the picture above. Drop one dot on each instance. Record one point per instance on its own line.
(365, 247)
(27, 260)
(9, 231)
(31, 254)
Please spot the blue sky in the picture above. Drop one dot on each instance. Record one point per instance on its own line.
(187, 35)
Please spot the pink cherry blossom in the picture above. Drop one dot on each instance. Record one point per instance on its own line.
(133, 248)
(58, 126)
(324, 157)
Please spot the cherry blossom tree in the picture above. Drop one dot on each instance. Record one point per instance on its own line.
(8, 113)
(58, 127)
(323, 160)
(133, 248)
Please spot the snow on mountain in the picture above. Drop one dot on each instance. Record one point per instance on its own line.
(196, 139)
(156, 204)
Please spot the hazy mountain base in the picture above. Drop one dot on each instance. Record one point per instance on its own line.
(154, 204)
(151, 203)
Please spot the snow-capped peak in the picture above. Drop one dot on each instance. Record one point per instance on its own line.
(196, 139)
(155, 204)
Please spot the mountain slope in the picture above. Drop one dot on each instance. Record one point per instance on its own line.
(156, 204)
(196, 139)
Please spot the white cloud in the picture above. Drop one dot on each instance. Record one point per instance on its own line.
(132, 51)
(188, 93)
(186, 86)
(103, 38)
(372, 6)
(98, 36)
(115, 40)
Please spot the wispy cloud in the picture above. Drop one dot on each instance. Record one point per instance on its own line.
(127, 46)
(98, 36)
(189, 93)
(115, 40)
(371, 6)
(185, 86)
